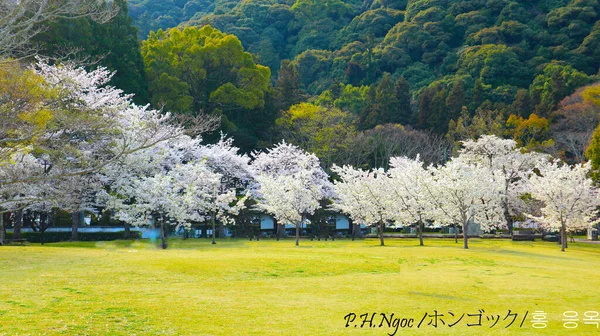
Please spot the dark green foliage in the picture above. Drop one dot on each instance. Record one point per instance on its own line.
(404, 114)
(114, 45)
(288, 90)
(54, 237)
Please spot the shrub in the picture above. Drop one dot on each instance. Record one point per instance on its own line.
(53, 237)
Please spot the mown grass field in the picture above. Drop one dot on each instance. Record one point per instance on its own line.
(238, 287)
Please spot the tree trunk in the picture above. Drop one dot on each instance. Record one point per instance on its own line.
(297, 235)
(213, 227)
(163, 235)
(563, 236)
(421, 232)
(507, 218)
(455, 233)
(74, 225)
(465, 235)
(2, 236)
(381, 224)
(44, 225)
(18, 224)
(221, 230)
(127, 233)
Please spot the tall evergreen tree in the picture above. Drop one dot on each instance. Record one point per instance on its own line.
(387, 106)
(438, 115)
(404, 114)
(455, 101)
(288, 86)
(364, 120)
(425, 107)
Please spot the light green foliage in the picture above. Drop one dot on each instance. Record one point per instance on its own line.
(212, 64)
(531, 133)
(352, 98)
(554, 83)
(322, 130)
(592, 94)
(27, 110)
(203, 69)
(592, 152)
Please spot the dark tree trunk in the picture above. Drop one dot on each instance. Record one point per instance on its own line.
(163, 234)
(297, 235)
(127, 233)
(465, 235)
(2, 229)
(563, 236)
(421, 232)
(381, 225)
(455, 233)
(213, 227)
(507, 218)
(45, 219)
(74, 225)
(18, 224)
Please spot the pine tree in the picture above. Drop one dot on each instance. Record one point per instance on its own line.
(404, 114)
(455, 101)
(288, 86)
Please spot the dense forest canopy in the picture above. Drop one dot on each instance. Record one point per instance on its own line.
(449, 69)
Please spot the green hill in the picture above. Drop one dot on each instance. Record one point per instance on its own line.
(464, 62)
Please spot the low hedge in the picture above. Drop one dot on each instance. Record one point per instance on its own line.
(54, 237)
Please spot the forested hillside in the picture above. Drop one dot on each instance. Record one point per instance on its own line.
(438, 68)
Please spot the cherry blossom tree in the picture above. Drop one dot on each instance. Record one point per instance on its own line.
(569, 196)
(409, 184)
(130, 182)
(510, 166)
(224, 158)
(462, 193)
(75, 128)
(197, 183)
(290, 184)
(16, 197)
(204, 196)
(77, 194)
(85, 125)
(234, 168)
(365, 196)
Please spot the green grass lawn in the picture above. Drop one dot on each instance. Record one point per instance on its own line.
(238, 287)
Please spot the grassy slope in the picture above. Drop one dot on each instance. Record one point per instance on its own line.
(273, 288)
